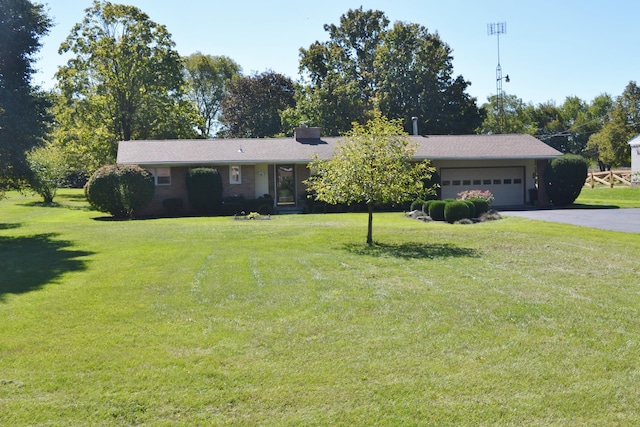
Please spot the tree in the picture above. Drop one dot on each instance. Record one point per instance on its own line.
(124, 82)
(516, 116)
(372, 165)
(208, 78)
(414, 77)
(23, 108)
(404, 71)
(251, 107)
(48, 170)
(610, 143)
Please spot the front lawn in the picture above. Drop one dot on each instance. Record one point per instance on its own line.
(622, 197)
(295, 321)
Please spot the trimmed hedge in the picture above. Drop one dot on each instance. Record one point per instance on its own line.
(472, 208)
(120, 190)
(455, 211)
(564, 178)
(481, 206)
(416, 205)
(204, 189)
(436, 210)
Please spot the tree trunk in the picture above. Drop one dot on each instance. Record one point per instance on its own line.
(370, 225)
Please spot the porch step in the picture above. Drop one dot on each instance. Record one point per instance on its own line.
(284, 210)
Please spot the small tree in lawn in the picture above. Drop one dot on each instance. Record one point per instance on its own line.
(372, 165)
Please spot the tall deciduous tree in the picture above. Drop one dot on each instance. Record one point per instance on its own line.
(124, 82)
(208, 78)
(372, 165)
(251, 107)
(624, 123)
(403, 71)
(23, 108)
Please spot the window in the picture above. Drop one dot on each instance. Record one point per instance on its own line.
(486, 182)
(517, 181)
(235, 174)
(497, 181)
(456, 182)
(445, 183)
(507, 181)
(161, 176)
(477, 181)
(466, 182)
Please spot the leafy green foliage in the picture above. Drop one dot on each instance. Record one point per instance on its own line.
(436, 210)
(564, 178)
(120, 190)
(124, 81)
(372, 165)
(402, 71)
(610, 144)
(208, 78)
(48, 170)
(204, 189)
(480, 206)
(23, 109)
(455, 211)
(251, 106)
(566, 128)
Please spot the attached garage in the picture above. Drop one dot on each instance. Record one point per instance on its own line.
(507, 184)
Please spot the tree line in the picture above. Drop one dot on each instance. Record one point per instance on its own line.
(125, 80)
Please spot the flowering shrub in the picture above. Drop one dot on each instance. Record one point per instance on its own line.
(476, 194)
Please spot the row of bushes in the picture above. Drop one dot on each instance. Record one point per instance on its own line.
(451, 210)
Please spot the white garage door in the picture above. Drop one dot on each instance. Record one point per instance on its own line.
(506, 184)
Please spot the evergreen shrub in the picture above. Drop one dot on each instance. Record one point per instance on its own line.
(564, 178)
(455, 211)
(436, 210)
(481, 206)
(120, 190)
(204, 189)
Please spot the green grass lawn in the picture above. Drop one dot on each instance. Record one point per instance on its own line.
(296, 322)
(622, 197)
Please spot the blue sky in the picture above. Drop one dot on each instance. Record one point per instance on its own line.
(551, 50)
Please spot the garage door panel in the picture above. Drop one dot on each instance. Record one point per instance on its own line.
(506, 184)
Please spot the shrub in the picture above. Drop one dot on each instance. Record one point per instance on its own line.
(436, 210)
(48, 171)
(425, 206)
(472, 208)
(120, 190)
(481, 206)
(455, 211)
(416, 205)
(173, 205)
(204, 190)
(564, 178)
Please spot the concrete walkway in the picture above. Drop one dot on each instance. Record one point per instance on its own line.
(626, 220)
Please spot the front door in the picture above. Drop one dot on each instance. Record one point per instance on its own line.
(286, 184)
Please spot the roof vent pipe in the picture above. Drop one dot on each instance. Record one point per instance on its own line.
(415, 125)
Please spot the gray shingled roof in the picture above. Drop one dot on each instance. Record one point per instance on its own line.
(289, 150)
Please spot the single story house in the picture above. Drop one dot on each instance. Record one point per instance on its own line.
(635, 161)
(507, 165)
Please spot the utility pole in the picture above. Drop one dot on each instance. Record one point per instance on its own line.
(497, 29)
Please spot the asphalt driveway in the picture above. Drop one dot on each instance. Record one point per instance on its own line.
(626, 220)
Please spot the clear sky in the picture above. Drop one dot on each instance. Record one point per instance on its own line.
(552, 48)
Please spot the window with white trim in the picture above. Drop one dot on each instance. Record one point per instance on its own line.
(161, 176)
(235, 174)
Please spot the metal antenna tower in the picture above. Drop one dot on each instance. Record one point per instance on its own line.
(497, 29)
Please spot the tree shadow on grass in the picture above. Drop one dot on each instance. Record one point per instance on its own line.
(411, 250)
(9, 225)
(29, 262)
